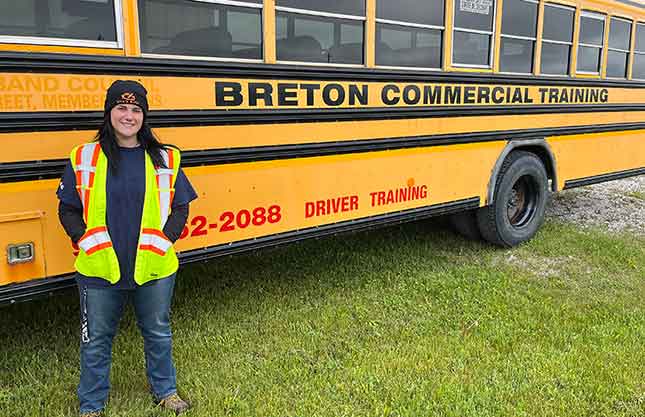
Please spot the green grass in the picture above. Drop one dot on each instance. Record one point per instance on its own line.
(403, 321)
(639, 195)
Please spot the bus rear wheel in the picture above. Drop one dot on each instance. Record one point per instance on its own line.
(519, 203)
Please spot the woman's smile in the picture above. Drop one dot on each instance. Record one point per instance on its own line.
(126, 120)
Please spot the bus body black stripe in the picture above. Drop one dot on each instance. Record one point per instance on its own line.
(35, 170)
(11, 122)
(596, 179)
(133, 66)
(34, 289)
(37, 288)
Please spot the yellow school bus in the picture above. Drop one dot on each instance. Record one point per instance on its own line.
(305, 118)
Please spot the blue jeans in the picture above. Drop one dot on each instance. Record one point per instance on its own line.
(101, 310)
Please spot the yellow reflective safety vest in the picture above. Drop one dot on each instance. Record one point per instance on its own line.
(156, 256)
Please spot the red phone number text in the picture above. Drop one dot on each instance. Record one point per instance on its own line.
(229, 221)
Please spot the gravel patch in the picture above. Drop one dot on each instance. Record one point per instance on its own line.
(541, 266)
(616, 206)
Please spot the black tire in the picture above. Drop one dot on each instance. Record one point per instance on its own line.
(517, 210)
(465, 223)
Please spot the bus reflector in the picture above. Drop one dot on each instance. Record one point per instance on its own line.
(21, 253)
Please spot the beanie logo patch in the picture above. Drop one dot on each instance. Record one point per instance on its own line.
(129, 98)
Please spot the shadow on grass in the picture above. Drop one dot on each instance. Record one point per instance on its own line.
(285, 271)
(314, 269)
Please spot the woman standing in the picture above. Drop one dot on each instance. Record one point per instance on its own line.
(124, 202)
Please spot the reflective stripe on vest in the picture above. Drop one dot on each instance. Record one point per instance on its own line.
(85, 168)
(95, 239)
(154, 241)
(165, 182)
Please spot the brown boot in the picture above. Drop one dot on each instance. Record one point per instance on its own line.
(174, 403)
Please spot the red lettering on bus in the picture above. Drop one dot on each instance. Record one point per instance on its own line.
(399, 195)
(331, 206)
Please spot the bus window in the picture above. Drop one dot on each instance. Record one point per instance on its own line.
(557, 38)
(592, 33)
(62, 22)
(312, 33)
(409, 33)
(638, 69)
(201, 29)
(348, 7)
(519, 29)
(620, 32)
(473, 33)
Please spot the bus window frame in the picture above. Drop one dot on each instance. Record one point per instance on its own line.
(596, 16)
(217, 58)
(333, 16)
(491, 43)
(85, 43)
(538, 17)
(636, 52)
(418, 26)
(543, 39)
(631, 41)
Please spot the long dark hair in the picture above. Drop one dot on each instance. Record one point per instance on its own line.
(110, 147)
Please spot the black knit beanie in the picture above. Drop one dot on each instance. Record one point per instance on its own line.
(126, 92)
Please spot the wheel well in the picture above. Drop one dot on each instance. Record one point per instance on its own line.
(539, 148)
(547, 160)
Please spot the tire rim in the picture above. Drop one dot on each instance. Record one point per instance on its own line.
(522, 202)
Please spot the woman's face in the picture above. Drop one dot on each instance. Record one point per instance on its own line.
(126, 120)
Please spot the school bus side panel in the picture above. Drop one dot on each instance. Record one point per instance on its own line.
(254, 199)
(583, 156)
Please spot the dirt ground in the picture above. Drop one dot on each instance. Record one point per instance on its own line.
(617, 206)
